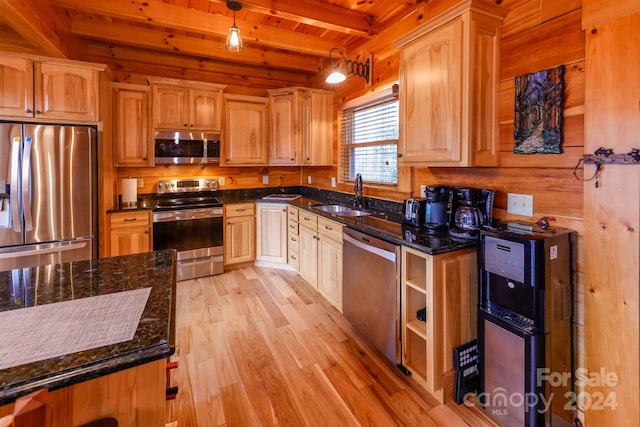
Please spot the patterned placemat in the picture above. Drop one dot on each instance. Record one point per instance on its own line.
(52, 330)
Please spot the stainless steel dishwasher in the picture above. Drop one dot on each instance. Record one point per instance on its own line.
(371, 299)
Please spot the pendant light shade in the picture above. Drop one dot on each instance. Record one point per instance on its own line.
(234, 41)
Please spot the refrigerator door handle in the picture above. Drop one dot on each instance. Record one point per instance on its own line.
(46, 249)
(26, 172)
(13, 195)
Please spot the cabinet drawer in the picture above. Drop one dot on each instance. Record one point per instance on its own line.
(292, 213)
(294, 260)
(309, 220)
(239, 209)
(292, 227)
(293, 240)
(129, 219)
(330, 229)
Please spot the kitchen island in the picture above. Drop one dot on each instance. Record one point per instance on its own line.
(95, 334)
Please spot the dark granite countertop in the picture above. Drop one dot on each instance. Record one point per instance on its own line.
(153, 339)
(385, 221)
(388, 226)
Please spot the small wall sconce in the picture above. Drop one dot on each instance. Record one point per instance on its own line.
(360, 69)
(234, 42)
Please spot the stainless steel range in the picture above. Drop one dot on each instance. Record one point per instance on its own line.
(188, 217)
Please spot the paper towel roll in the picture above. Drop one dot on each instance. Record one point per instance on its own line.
(129, 192)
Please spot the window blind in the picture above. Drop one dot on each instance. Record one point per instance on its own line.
(369, 140)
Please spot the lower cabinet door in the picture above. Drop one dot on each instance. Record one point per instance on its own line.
(239, 240)
(330, 270)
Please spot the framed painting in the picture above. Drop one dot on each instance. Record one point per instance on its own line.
(539, 112)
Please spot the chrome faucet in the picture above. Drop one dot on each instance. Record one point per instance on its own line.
(357, 189)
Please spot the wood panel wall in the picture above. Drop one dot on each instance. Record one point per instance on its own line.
(612, 217)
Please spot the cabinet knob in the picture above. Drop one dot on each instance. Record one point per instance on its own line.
(293, 257)
(328, 228)
(228, 223)
(185, 125)
(192, 125)
(28, 110)
(144, 158)
(146, 232)
(38, 112)
(399, 155)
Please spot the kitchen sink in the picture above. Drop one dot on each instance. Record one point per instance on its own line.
(340, 210)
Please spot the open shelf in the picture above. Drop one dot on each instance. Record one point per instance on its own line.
(415, 269)
(418, 327)
(415, 357)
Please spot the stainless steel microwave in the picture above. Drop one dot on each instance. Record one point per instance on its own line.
(186, 147)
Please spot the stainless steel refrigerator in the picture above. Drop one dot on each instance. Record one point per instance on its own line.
(48, 194)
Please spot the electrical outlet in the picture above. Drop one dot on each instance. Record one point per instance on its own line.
(140, 182)
(333, 181)
(265, 179)
(423, 191)
(520, 204)
(309, 179)
(222, 180)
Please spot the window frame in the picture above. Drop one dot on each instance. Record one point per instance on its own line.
(362, 101)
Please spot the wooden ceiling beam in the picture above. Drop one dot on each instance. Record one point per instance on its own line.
(162, 41)
(102, 52)
(317, 13)
(26, 18)
(198, 22)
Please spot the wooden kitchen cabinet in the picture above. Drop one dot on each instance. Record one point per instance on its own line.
(33, 87)
(130, 233)
(321, 256)
(239, 233)
(317, 128)
(244, 139)
(449, 75)
(271, 238)
(186, 105)
(133, 138)
(445, 285)
(293, 238)
(301, 127)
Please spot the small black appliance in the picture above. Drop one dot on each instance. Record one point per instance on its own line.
(413, 211)
(471, 209)
(437, 216)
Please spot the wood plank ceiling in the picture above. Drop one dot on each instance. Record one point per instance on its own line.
(286, 41)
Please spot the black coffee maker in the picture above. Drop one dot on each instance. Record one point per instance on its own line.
(438, 207)
(471, 209)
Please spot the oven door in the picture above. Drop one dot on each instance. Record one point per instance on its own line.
(197, 235)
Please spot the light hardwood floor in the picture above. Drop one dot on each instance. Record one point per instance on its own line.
(260, 347)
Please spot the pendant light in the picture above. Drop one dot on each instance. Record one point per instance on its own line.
(234, 42)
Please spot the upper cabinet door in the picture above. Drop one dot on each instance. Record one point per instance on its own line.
(16, 87)
(170, 107)
(245, 135)
(205, 109)
(65, 91)
(285, 136)
(316, 123)
(430, 101)
(131, 125)
(449, 71)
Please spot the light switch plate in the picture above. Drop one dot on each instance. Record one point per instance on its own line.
(222, 180)
(265, 179)
(140, 182)
(309, 179)
(520, 204)
(333, 181)
(423, 191)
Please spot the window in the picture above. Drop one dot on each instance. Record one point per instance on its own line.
(369, 138)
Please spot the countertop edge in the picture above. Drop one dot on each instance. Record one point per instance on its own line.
(89, 372)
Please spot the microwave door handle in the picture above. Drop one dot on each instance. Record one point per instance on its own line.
(26, 172)
(14, 190)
